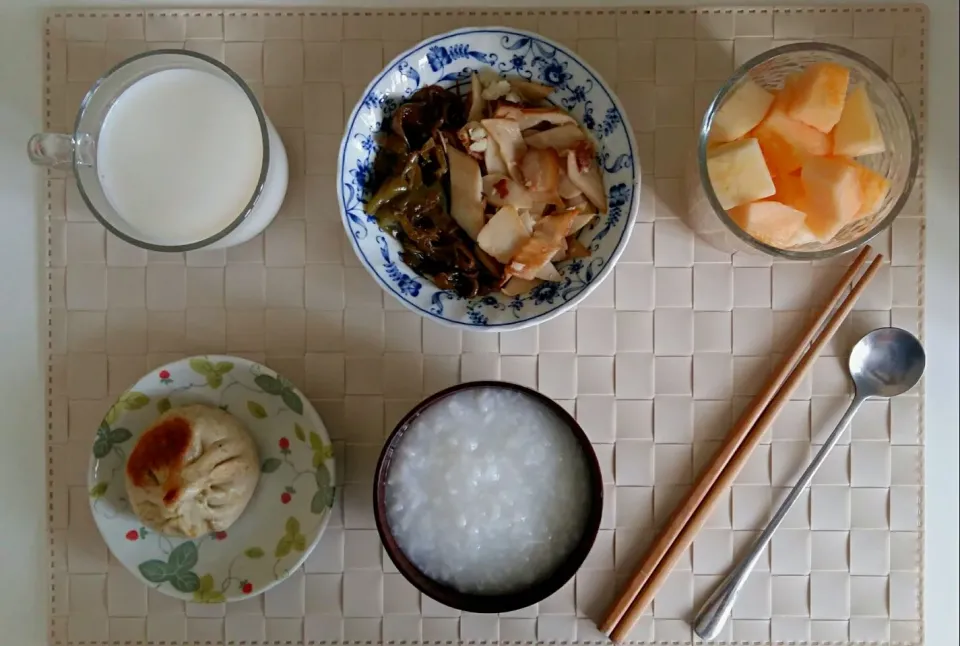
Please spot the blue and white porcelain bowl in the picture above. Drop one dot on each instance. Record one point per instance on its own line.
(446, 60)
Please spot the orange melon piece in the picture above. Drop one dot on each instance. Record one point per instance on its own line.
(784, 97)
(786, 142)
(768, 221)
(833, 194)
(790, 191)
(818, 96)
(873, 188)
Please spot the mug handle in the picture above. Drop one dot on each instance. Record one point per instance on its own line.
(61, 151)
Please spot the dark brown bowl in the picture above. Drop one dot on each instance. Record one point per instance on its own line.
(478, 602)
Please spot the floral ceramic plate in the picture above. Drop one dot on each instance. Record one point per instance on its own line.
(284, 519)
(446, 60)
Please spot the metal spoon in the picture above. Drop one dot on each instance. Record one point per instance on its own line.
(885, 363)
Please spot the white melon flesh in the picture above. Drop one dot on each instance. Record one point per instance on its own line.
(741, 112)
(739, 173)
(858, 131)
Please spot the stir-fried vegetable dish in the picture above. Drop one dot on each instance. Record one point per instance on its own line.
(486, 192)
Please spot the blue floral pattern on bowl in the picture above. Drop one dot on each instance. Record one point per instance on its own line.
(447, 60)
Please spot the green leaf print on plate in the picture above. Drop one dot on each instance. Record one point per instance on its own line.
(256, 410)
(270, 465)
(291, 540)
(283, 388)
(133, 400)
(130, 400)
(119, 435)
(176, 570)
(268, 384)
(323, 499)
(107, 438)
(292, 400)
(164, 405)
(154, 571)
(183, 557)
(97, 490)
(102, 445)
(205, 593)
(213, 373)
(185, 581)
(253, 553)
(321, 452)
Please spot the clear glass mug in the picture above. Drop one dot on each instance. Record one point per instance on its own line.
(898, 164)
(78, 152)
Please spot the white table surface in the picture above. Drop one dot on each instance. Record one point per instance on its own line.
(23, 545)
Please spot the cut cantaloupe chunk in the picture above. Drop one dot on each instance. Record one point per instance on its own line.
(784, 96)
(858, 131)
(786, 142)
(741, 112)
(818, 96)
(833, 195)
(873, 188)
(768, 221)
(739, 174)
(790, 191)
(803, 236)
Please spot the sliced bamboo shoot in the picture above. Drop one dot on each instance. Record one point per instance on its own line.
(503, 191)
(466, 192)
(516, 286)
(503, 235)
(561, 138)
(506, 133)
(587, 180)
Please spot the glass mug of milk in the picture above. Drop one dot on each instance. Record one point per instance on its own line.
(172, 152)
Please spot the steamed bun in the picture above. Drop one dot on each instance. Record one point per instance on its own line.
(192, 472)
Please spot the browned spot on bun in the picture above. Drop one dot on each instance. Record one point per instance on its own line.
(161, 450)
(170, 496)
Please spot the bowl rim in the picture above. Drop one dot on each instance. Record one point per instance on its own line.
(477, 602)
(744, 70)
(629, 219)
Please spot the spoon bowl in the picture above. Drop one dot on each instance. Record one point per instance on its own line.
(886, 362)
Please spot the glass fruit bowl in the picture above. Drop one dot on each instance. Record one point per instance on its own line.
(898, 163)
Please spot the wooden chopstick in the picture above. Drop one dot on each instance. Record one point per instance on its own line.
(681, 516)
(690, 515)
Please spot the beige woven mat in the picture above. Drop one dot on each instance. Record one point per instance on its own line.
(654, 364)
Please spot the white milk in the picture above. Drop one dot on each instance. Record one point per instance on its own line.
(179, 156)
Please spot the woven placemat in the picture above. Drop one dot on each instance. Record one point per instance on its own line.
(654, 364)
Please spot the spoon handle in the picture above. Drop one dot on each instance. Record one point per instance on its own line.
(715, 612)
